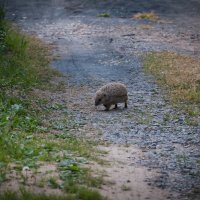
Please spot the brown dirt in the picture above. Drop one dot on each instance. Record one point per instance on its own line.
(124, 179)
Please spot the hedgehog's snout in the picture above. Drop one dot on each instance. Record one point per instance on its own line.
(97, 102)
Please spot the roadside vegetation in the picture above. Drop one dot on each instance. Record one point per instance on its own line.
(104, 15)
(27, 142)
(180, 76)
(146, 15)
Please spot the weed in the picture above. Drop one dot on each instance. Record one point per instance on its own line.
(166, 117)
(81, 192)
(24, 195)
(53, 183)
(41, 183)
(146, 15)
(198, 162)
(72, 172)
(196, 191)
(84, 193)
(3, 168)
(144, 27)
(104, 15)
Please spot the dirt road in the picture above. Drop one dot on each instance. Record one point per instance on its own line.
(95, 50)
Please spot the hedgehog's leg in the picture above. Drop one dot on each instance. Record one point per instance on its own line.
(107, 107)
(116, 106)
(125, 106)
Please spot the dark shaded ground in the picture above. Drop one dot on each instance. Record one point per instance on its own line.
(96, 50)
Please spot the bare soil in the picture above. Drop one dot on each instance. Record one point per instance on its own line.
(126, 180)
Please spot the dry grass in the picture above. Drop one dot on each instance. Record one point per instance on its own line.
(180, 74)
(144, 27)
(146, 15)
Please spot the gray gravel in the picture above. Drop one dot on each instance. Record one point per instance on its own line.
(96, 50)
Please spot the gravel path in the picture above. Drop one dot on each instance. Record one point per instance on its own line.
(96, 50)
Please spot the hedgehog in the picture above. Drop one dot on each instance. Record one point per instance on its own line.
(111, 94)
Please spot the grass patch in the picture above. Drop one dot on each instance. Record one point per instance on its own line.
(72, 172)
(24, 195)
(52, 182)
(82, 192)
(104, 15)
(144, 27)
(180, 75)
(196, 191)
(194, 194)
(24, 61)
(146, 15)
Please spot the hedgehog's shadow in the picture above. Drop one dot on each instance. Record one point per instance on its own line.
(111, 110)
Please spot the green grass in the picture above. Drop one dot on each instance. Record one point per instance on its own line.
(179, 75)
(104, 15)
(23, 61)
(53, 183)
(82, 192)
(23, 67)
(27, 136)
(24, 195)
(73, 174)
